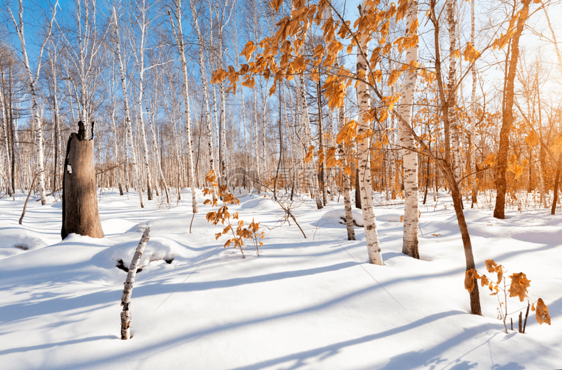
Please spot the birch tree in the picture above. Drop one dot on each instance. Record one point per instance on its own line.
(83, 46)
(204, 83)
(363, 153)
(451, 87)
(178, 33)
(128, 125)
(409, 152)
(32, 79)
(143, 24)
(56, 113)
(472, 116)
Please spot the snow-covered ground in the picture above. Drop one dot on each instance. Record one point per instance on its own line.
(311, 303)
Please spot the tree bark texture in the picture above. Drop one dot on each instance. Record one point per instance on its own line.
(32, 85)
(128, 125)
(187, 111)
(409, 153)
(451, 87)
(472, 146)
(321, 149)
(467, 244)
(448, 167)
(501, 160)
(366, 190)
(128, 289)
(205, 85)
(346, 181)
(79, 199)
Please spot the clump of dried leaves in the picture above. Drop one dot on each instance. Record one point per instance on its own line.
(518, 287)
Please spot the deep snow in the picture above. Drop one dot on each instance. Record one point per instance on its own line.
(311, 303)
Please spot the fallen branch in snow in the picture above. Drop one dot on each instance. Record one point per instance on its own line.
(128, 290)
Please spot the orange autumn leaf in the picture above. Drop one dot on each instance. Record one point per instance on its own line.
(557, 145)
(218, 76)
(248, 50)
(470, 53)
(532, 139)
(469, 279)
(519, 286)
(491, 266)
(484, 281)
(542, 312)
(309, 154)
(276, 4)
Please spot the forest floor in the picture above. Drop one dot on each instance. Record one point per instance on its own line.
(311, 303)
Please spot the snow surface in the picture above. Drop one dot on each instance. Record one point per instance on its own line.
(311, 303)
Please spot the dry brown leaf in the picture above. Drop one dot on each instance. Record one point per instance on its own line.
(469, 279)
(484, 280)
(519, 286)
(542, 312)
(491, 266)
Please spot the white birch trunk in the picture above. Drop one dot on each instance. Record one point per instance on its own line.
(128, 289)
(409, 154)
(156, 150)
(145, 149)
(455, 140)
(472, 147)
(307, 141)
(256, 140)
(187, 112)
(32, 81)
(6, 143)
(244, 121)
(265, 167)
(205, 84)
(56, 118)
(216, 135)
(367, 205)
(222, 141)
(115, 145)
(128, 125)
(346, 181)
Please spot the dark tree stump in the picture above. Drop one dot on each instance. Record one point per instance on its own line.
(79, 200)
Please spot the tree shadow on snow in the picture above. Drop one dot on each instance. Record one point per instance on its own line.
(56, 344)
(25, 310)
(408, 360)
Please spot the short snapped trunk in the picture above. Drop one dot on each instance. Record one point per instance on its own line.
(79, 200)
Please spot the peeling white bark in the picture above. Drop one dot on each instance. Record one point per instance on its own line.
(187, 113)
(128, 125)
(128, 289)
(366, 190)
(409, 154)
(205, 84)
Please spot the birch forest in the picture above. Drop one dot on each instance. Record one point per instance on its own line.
(352, 106)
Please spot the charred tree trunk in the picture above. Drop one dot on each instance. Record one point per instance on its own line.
(79, 201)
